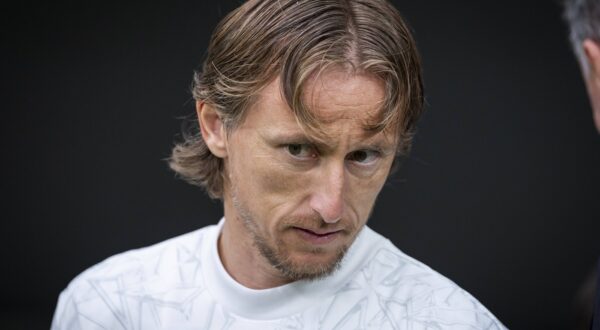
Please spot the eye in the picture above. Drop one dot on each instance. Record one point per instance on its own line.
(364, 157)
(301, 151)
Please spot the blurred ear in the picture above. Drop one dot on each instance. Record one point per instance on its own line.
(592, 54)
(213, 131)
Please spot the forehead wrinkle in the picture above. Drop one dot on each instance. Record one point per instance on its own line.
(326, 100)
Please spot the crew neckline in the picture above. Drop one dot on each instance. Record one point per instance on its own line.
(284, 300)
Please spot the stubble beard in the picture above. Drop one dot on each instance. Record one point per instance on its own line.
(277, 255)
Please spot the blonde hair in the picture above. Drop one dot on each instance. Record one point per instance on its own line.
(294, 40)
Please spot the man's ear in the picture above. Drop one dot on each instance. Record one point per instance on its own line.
(591, 50)
(212, 129)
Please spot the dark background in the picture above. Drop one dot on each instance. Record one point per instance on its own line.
(501, 193)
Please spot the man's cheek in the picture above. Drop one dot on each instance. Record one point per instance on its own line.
(279, 182)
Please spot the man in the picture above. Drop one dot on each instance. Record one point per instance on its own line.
(302, 108)
(583, 17)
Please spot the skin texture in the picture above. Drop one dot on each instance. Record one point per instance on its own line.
(592, 77)
(283, 188)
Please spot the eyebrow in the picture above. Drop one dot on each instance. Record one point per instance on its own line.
(282, 137)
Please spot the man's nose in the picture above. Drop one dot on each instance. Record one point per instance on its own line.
(328, 196)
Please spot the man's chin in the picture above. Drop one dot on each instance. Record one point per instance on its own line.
(298, 257)
(310, 265)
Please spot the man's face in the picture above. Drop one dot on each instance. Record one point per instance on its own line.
(303, 202)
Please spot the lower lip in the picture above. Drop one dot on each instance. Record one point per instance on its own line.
(315, 238)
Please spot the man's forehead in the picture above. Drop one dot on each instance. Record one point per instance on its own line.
(343, 105)
(332, 97)
(344, 90)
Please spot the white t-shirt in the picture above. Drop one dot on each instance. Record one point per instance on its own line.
(181, 284)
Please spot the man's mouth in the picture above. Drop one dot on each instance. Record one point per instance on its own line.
(318, 236)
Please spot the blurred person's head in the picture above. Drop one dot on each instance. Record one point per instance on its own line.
(583, 17)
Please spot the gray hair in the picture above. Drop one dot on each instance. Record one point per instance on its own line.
(294, 40)
(583, 17)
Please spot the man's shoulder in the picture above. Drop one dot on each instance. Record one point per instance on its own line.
(146, 273)
(408, 287)
(149, 259)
